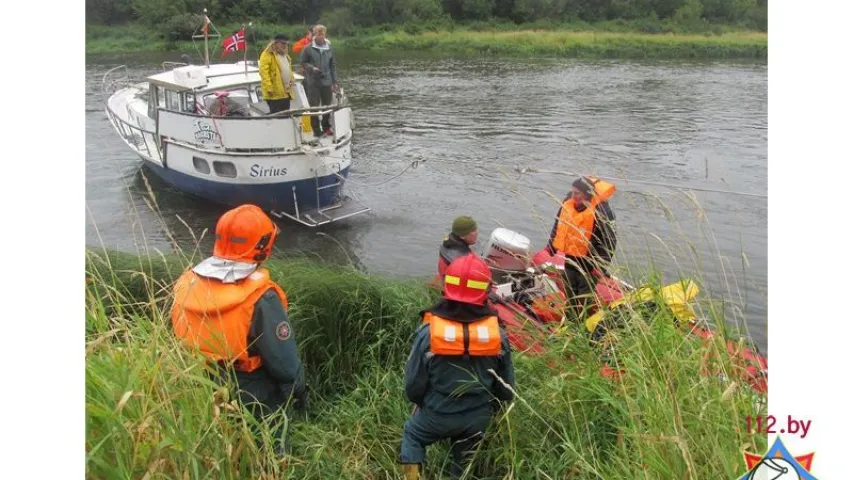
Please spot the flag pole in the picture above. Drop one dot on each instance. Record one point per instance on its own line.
(254, 42)
(206, 56)
(245, 50)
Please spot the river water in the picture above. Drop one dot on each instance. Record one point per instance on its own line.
(466, 127)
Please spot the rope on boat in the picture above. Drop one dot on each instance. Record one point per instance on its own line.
(646, 182)
(414, 164)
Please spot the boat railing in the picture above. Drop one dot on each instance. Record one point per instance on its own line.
(140, 138)
(344, 207)
(282, 131)
(108, 83)
(172, 65)
(307, 111)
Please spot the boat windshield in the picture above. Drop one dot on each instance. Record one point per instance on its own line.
(233, 102)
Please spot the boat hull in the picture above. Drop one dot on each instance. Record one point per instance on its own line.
(277, 196)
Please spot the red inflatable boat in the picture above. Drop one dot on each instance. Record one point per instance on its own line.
(527, 294)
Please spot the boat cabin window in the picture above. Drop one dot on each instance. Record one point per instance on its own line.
(189, 103)
(154, 95)
(225, 169)
(173, 100)
(177, 102)
(201, 165)
(227, 102)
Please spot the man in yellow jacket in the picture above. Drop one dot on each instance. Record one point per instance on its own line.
(276, 74)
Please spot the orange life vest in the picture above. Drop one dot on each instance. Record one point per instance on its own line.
(574, 228)
(301, 44)
(215, 317)
(449, 337)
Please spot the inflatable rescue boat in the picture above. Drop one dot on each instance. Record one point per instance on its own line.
(527, 292)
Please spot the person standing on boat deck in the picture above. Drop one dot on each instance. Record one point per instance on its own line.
(447, 374)
(276, 74)
(229, 309)
(584, 234)
(304, 41)
(321, 79)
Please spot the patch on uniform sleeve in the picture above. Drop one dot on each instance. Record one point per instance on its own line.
(283, 330)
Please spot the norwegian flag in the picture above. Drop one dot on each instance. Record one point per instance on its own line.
(234, 43)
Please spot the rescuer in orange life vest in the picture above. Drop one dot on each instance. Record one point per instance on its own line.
(584, 233)
(229, 309)
(447, 375)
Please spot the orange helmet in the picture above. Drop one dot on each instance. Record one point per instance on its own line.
(245, 234)
(467, 280)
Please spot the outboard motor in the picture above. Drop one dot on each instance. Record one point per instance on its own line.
(519, 288)
(507, 252)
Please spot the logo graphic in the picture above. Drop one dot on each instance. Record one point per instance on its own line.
(778, 464)
(282, 331)
(205, 133)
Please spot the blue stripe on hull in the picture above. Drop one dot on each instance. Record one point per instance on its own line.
(271, 196)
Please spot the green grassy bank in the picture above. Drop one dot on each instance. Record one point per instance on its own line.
(152, 413)
(580, 41)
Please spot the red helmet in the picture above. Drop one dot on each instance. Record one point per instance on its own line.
(467, 280)
(245, 234)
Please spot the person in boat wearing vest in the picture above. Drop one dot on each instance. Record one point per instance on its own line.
(463, 234)
(276, 74)
(304, 41)
(460, 338)
(584, 234)
(229, 309)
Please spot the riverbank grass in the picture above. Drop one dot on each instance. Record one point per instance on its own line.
(152, 412)
(565, 42)
(575, 43)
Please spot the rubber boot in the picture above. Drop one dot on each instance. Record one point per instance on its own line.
(411, 471)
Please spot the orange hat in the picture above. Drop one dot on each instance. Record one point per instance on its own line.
(245, 234)
(467, 280)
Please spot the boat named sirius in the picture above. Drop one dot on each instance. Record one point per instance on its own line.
(206, 130)
(259, 171)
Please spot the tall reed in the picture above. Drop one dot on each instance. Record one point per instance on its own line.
(152, 412)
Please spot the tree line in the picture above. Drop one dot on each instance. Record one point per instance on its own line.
(174, 18)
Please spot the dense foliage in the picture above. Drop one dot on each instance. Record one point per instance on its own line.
(179, 18)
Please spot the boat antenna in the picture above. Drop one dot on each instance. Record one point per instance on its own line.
(245, 50)
(206, 54)
(254, 41)
(206, 30)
